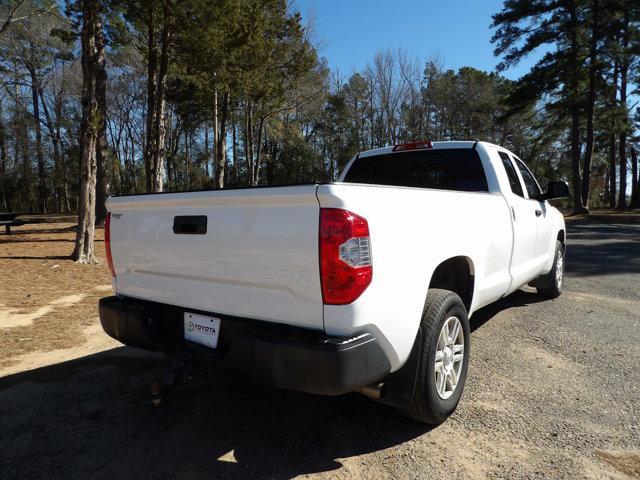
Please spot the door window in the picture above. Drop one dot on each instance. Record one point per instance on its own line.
(514, 181)
(533, 189)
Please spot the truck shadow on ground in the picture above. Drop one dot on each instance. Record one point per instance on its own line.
(92, 417)
(519, 298)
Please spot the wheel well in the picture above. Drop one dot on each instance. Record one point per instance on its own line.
(457, 275)
(561, 237)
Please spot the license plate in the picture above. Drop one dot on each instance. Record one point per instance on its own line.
(201, 329)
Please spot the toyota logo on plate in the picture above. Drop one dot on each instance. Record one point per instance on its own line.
(190, 326)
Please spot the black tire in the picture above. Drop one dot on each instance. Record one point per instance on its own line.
(427, 406)
(552, 283)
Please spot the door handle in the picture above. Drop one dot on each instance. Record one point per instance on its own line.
(538, 212)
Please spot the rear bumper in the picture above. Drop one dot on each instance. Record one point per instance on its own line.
(275, 355)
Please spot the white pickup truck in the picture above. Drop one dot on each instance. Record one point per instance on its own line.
(365, 284)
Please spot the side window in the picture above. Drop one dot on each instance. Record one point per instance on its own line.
(514, 181)
(533, 189)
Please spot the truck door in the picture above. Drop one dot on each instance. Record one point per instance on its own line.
(544, 226)
(524, 226)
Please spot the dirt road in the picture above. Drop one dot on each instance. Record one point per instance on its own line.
(553, 392)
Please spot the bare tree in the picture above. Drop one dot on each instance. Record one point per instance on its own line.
(20, 10)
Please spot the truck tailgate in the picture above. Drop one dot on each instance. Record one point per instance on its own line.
(258, 258)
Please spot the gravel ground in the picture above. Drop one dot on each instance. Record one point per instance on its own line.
(553, 392)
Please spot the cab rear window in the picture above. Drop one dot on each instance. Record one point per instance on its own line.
(447, 169)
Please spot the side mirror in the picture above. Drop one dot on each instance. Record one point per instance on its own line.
(556, 190)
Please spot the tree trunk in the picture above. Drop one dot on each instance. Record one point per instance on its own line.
(152, 69)
(635, 188)
(170, 159)
(578, 206)
(256, 176)
(234, 150)
(124, 156)
(206, 150)
(590, 103)
(21, 149)
(56, 144)
(248, 143)
(26, 164)
(3, 164)
(622, 154)
(216, 137)
(187, 159)
(131, 160)
(622, 142)
(91, 25)
(612, 171)
(612, 137)
(116, 162)
(221, 144)
(103, 155)
(42, 180)
(159, 128)
(63, 163)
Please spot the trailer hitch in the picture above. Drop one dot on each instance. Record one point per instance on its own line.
(179, 373)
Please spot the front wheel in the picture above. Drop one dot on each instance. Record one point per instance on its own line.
(444, 358)
(554, 280)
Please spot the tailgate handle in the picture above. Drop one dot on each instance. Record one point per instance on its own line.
(190, 224)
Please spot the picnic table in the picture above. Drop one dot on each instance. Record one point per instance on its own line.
(9, 219)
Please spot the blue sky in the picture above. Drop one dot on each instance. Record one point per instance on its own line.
(351, 31)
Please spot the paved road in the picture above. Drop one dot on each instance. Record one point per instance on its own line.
(554, 388)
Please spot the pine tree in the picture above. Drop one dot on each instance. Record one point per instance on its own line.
(523, 26)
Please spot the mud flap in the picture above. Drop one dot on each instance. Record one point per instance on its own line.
(399, 386)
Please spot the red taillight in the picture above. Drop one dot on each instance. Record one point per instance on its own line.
(345, 256)
(107, 243)
(413, 146)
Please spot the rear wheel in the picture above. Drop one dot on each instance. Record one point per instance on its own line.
(554, 280)
(444, 358)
